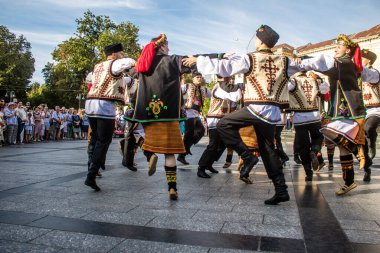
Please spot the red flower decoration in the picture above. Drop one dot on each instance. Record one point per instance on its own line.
(261, 30)
(121, 90)
(367, 96)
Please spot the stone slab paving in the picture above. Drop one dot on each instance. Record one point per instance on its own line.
(44, 180)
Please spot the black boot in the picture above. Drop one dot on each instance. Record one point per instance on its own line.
(90, 151)
(91, 175)
(281, 192)
(129, 153)
(367, 175)
(202, 172)
(212, 170)
(181, 159)
(308, 172)
(249, 161)
(297, 158)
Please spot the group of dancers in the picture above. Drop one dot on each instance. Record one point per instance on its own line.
(242, 117)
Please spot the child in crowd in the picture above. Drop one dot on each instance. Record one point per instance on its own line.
(29, 124)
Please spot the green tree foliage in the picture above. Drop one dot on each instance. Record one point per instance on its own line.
(16, 63)
(76, 57)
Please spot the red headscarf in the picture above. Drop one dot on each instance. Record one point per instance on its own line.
(358, 59)
(145, 60)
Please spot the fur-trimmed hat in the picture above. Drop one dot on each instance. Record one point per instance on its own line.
(369, 55)
(114, 48)
(267, 35)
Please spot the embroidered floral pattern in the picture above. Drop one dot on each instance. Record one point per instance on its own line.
(270, 71)
(343, 109)
(155, 106)
(121, 90)
(367, 96)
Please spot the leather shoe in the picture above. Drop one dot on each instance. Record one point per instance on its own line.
(227, 165)
(201, 173)
(248, 165)
(131, 167)
(182, 160)
(173, 194)
(277, 198)
(212, 170)
(92, 183)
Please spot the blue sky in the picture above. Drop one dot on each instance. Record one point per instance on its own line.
(192, 26)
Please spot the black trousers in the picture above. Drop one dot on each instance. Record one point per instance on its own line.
(211, 152)
(101, 138)
(194, 131)
(228, 128)
(277, 137)
(308, 138)
(370, 126)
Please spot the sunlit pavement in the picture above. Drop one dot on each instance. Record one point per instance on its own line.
(45, 206)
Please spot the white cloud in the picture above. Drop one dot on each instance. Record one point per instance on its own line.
(43, 38)
(130, 4)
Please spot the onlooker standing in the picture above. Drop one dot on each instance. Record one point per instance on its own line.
(84, 125)
(2, 122)
(56, 120)
(47, 123)
(76, 125)
(21, 114)
(69, 119)
(38, 124)
(29, 126)
(11, 121)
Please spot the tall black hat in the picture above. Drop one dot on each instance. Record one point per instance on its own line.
(267, 35)
(114, 48)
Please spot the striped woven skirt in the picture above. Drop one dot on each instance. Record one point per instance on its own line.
(163, 138)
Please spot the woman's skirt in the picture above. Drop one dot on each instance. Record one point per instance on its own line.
(248, 135)
(163, 138)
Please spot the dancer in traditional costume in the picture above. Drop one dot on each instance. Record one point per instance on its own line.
(303, 92)
(158, 105)
(371, 97)
(346, 110)
(265, 93)
(108, 86)
(194, 94)
(135, 134)
(223, 95)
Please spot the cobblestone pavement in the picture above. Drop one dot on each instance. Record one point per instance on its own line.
(45, 207)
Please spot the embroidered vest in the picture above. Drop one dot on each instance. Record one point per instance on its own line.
(267, 80)
(371, 94)
(105, 85)
(218, 107)
(304, 96)
(194, 93)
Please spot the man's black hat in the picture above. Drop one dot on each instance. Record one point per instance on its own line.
(267, 35)
(114, 48)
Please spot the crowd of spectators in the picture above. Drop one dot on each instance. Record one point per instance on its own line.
(21, 123)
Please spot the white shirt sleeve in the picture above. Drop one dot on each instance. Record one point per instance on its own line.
(321, 63)
(120, 65)
(324, 88)
(89, 78)
(234, 96)
(126, 80)
(293, 67)
(236, 64)
(370, 75)
(291, 86)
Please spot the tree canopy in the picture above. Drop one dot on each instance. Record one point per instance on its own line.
(16, 63)
(75, 58)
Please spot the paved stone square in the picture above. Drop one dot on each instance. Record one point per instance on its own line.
(45, 206)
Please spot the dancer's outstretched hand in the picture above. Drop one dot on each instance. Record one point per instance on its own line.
(190, 61)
